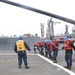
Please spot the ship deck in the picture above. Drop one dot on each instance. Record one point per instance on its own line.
(39, 65)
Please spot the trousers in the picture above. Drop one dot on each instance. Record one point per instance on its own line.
(22, 55)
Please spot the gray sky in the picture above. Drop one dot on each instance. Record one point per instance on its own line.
(18, 21)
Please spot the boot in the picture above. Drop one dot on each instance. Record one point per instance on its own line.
(54, 61)
(26, 67)
(65, 66)
(34, 51)
(69, 67)
(19, 66)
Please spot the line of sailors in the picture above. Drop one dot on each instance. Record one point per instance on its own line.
(51, 50)
(50, 47)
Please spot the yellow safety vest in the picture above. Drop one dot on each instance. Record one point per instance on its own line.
(20, 45)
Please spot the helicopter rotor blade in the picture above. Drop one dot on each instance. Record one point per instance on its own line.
(39, 11)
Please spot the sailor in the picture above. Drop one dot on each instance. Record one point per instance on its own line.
(47, 49)
(50, 50)
(36, 47)
(53, 49)
(20, 48)
(45, 46)
(68, 45)
(41, 43)
(55, 52)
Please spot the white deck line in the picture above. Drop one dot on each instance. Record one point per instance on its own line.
(55, 64)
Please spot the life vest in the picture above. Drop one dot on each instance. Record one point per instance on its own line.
(48, 44)
(36, 45)
(51, 47)
(41, 43)
(20, 45)
(66, 45)
(45, 44)
(70, 40)
(55, 42)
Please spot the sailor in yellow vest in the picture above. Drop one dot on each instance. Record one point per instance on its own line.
(20, 48)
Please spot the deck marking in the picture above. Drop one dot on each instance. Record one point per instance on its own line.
(16, 54)
(55, 64)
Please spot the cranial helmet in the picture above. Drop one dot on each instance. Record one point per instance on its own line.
(20, 37)
(50, 41)
(65, 38)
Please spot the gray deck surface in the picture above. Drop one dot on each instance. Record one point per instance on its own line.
(38, 66)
